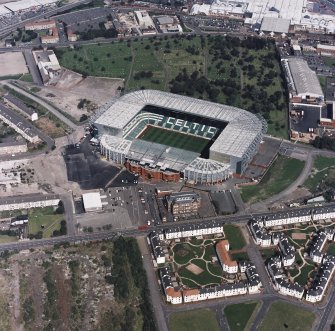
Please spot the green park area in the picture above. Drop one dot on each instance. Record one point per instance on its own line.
(45, 222)
(240, 315)
(283, 172)
(322, 175)
(194, 265)
(244, 73)
(195, 320)
(283, 316)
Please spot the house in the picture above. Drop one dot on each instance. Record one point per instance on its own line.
(191, 295)
(228, 265)
(193, 230)
(20, 106)
(157, 247)
(173, 293)
(40, 25)
(290, 289)
(287, 251)
(260, 235)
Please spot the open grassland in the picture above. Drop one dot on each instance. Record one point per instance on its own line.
(239, 315)
(235, 237)
(245, 74)
(279, 176)
(323, 174)
(174, 139)
(284, 316)
(195, 320)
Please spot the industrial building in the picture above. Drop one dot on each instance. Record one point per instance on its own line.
(233, 136)
(302, 81)
(296, 12)
(92, 201)
(47, 64)
(19, 105)
(19, 124)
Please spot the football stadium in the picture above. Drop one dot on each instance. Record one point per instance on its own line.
(164, 136)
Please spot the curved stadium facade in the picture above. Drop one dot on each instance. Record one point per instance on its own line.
(166, 136)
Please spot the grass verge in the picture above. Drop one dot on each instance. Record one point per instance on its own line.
(279, 176)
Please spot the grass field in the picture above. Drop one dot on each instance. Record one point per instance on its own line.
(331, 249)
(235, 237)
(7, 239)
(284, 316)
(267, 253)
(185, 252)
(323, 169)
(279, 176)
(239, 315)
(195, 320)
(243, 256)
(303, 277)
(44, 219)
(167, 58)
(174, 139)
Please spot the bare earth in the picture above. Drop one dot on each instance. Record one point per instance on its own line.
(71, 88)
(194, 269)
(12, 64)
(298, 236)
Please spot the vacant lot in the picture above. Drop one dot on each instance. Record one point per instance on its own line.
(280, 175)
(245, 73)
(239, 315)
(73, 288)
(284, 316)
(323, 174)
(12, 64)
(235, 237)
(50, 128)
(196, 320)
(44, 220)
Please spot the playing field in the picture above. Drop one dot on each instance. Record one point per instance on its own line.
(174, 139)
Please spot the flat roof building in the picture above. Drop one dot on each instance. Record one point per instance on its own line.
(302, 81)
(92, 201)
(21, 107)
(275, 24)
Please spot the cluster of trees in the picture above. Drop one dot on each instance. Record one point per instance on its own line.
(324, 142)
(62, 231)
(143, 74)
(97, 33)
(194, 84)
(127, 272)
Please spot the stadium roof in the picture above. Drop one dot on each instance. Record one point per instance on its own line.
(305, 79)
(275, 24)
(241, 131)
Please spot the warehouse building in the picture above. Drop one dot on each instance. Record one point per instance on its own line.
(302, 81)
(19, 124)
(13, 147)
(19, 105)
(40, 25)
(92, 201)
(29, 201)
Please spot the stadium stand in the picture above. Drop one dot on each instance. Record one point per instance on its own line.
(233, 136)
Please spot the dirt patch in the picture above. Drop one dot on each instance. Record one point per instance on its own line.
(298, 236)
(182, 252)
(12, 63)
(49, 127)
(194, 269)
(71, 88)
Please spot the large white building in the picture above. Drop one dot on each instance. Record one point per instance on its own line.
(254, 11)
(237, 134)
(29, 201)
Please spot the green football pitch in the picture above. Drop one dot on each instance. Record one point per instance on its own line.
(174, 139)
